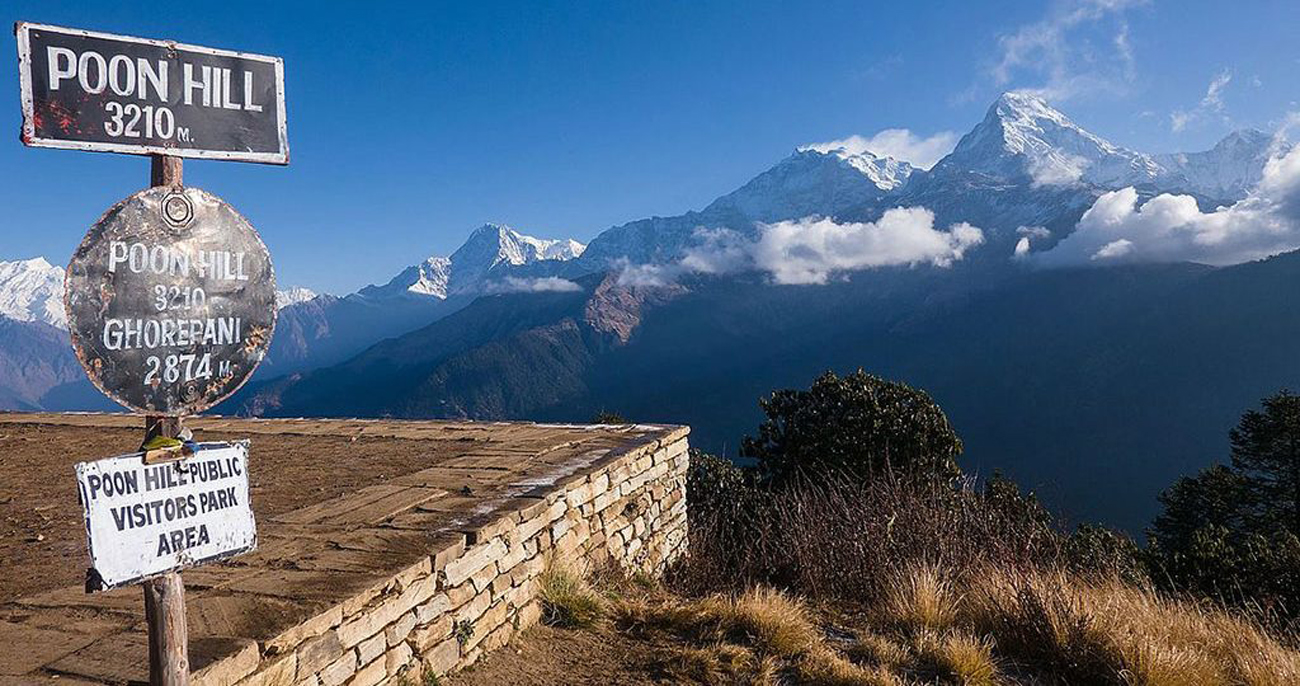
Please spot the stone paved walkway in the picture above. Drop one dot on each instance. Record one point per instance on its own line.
(312, 560)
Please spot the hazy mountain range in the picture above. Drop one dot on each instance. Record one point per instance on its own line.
(1077, 336)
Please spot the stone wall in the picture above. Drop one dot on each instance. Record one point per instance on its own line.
(481, 588)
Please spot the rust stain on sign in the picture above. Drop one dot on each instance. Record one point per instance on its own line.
(170, 301)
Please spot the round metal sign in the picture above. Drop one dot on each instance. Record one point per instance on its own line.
(171, 301)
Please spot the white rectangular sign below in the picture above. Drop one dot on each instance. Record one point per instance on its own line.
(144, 520)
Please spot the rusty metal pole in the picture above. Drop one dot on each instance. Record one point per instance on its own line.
(164, 596)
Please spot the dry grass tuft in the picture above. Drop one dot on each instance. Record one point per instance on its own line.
(957, 657)
(825, 667)
(1070, 627)
(715, 664)
(1036, 619)
(775, 623)
(764, 619)
(568, 601)
(979, 631)
(920, 598)
(878, 651)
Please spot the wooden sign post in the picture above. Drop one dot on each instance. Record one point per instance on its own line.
(164, 596)
(170, 297)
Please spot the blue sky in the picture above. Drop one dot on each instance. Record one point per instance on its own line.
(412, 123)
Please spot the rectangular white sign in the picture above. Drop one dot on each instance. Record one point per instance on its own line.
(143, 520)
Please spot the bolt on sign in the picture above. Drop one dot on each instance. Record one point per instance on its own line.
(86, 90)
(170, 301)
(148, 519)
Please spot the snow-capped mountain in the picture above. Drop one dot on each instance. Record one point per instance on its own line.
(1229, 169)
(32, 290)
(429, 277)
(1023, 139)
(495, 245)
(814, 181)
(293, 296)
(1025, 164)
(884, 171)
(489, 248)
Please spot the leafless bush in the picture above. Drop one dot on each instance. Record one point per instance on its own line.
(837, 538)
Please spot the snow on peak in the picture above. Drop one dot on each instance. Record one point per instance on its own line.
(493, 244)
(815, 180)
(32, 290)
(1244, 139)
(292, 296)
(885, 172)
(1228, 170)
(1022, 106)
(563, 249)
(429, 278)
(1022, 136)
(488, 247)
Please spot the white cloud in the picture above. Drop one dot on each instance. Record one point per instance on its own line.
(1028, 234)
(1213, 99)
(1062, 170)
(547, 284)
(1172, 228)
(813, 249)
(1211, 103)
(718, 251)
(810, 250)
(1060, 54)
(900, 144)
(1114, 250)
(646, 274)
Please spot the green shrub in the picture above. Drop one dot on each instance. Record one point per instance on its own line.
(858, 425)
(713, 482)
(1232, 532)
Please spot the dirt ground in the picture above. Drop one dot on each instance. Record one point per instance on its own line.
(544, 655)
(43, 542)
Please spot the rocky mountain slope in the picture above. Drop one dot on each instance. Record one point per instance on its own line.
(39, 371)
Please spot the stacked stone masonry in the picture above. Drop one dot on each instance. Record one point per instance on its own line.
(392, 580)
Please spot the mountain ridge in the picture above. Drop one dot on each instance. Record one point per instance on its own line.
(487, 249)
(32, 290)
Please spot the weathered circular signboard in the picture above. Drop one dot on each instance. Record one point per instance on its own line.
(170, 301)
